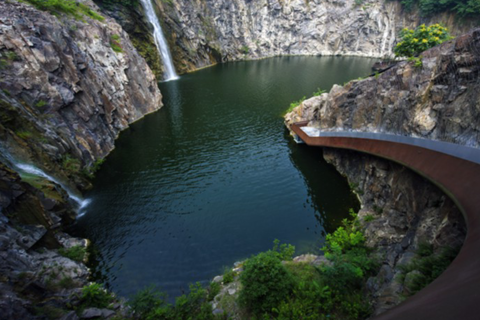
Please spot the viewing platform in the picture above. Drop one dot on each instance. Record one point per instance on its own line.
(456, 170)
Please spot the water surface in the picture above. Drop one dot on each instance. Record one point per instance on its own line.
(213, 177)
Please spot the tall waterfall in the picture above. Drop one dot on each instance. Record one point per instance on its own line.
(160, 41)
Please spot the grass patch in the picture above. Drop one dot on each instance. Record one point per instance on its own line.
(68, 7)
(295, 104)
(70, 164)
(425, 267)
(76, 253)
(23, 134)
(115, 43)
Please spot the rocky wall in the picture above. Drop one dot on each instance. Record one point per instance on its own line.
(436, 100)
(68, 87)
(204, 32)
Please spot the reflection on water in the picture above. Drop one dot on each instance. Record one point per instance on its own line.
(213, 178)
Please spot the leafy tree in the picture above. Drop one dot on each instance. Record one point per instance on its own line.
(413, 42)
(266, 283)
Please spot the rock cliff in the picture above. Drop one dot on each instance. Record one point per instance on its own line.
(68, 87)
(438, 100)
(435, 100)
(209, 31)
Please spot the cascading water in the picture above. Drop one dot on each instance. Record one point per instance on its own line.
(79, 202)
(160, 41)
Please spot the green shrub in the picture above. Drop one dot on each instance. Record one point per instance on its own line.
(228, 275)
(71, 165)
(295, 104)
(369, 218)
(213, 290)
(41, 104)
(95, 296)
(67, 283)
(89, 172)
(283, 251)
(429, 265)
(345, 238)
(76, 253)
(319, 92)
(194, 305)
(266, 283)
(115, 43)
(245, 50)
(151, 304)
(69, 7)
(23, 134)
(414, 42)
(145, 302)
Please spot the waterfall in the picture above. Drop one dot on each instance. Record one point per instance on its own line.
(80, 203)
(160, 41)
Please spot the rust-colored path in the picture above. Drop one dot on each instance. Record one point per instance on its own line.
(456, 293)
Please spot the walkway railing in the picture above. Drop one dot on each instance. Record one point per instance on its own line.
(456, 170)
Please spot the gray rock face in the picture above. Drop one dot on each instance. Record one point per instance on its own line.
(64, 90)
(438, 100)
(210, 31)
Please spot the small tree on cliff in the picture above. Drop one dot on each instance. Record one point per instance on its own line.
(414, 42)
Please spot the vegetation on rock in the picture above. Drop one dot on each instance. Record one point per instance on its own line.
(76, 253)
(425, 267)
(70, 7)
(430, 7)
(414, 42)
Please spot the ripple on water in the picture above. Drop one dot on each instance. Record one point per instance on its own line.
(212, 178)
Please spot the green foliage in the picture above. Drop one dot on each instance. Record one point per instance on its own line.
(245, 49)
(145, 302)
(115, 43)
(295, 104)
(283, 251)
(369, 218)
(429, 266)
(76, 253)
(41, 104)
(345, 238)
(463, 8)
(67, 283)
(90, 171)
(213, 290)
(228, 275)
(266, 283)
(69, 7)
(358, 2)
(23, 134)
(71, 165)
(417, 61)
(151, 304)
(319, 92)
(413, 42)
(94, 295)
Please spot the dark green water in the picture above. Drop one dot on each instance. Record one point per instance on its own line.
(213, 177)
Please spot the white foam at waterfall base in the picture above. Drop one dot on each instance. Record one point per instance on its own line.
(79, 202)
(160, 41)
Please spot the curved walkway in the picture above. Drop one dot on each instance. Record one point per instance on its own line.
(456, 170)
